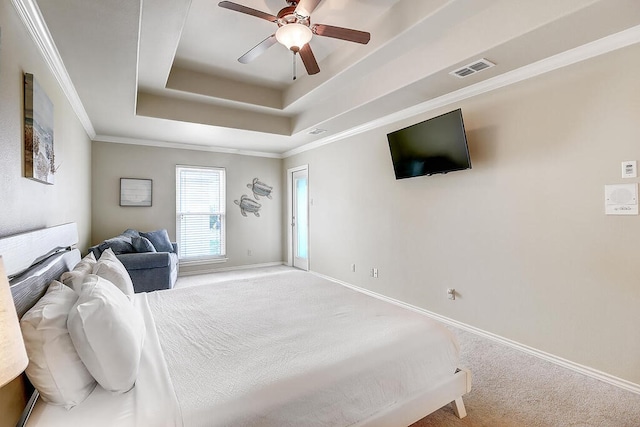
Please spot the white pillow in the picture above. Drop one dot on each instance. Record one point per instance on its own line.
(108, 334)
(74, 278)
(109, 267)
(55, 369)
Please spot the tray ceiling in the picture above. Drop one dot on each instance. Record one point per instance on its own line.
(165, 72)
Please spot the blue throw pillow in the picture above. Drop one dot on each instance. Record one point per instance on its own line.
(160, 240)
(130, 232)
(119, 245)
(142, 244)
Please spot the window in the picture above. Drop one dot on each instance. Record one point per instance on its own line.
(200, 213)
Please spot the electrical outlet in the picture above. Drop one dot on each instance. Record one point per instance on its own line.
(353, 268)
(374, 273)
(249, 252)
(451, 293)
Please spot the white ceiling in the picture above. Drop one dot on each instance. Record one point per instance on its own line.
(165, 72)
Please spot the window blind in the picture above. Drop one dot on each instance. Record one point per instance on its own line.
(200, 212)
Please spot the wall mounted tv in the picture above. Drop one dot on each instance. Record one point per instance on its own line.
(437, 145)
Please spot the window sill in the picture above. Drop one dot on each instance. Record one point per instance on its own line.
(204, 261)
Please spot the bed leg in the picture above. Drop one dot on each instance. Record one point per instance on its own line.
(458, 408)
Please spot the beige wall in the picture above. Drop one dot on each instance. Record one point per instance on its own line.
(26, 204)
(522, 236)
(261, 235)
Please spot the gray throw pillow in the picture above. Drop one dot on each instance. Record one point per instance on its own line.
(142, 244)
(160, 240)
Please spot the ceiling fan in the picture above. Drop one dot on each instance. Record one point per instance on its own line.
(295, 31)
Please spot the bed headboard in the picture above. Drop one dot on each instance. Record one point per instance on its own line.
(29, 287)
(32, 260)
(35, 258)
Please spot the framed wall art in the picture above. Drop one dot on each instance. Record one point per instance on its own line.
(39, 158)
(135, 192)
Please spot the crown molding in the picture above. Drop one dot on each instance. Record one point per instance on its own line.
(32, 18)
(182, 146)
(590, 50)
(34, 22)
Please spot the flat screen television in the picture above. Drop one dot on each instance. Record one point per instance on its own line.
(437, 145)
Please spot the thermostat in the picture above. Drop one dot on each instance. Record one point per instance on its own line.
(630, 169)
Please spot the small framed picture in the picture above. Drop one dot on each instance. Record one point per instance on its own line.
(135, 192)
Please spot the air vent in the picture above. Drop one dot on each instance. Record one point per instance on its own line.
(474, 67)
(316, 131)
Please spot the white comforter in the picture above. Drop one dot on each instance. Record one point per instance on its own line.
(289, 349)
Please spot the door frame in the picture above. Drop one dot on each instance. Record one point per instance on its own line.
(290, 173)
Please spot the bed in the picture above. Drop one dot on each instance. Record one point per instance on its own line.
(285, 349)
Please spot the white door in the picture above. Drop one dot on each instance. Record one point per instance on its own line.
(300, 218)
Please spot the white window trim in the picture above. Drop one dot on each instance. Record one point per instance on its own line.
(209, 258)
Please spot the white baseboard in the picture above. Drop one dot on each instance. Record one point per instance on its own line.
(219, 270)
(585, 370)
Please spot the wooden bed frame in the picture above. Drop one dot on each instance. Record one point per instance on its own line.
(425, 403)
(50, 252)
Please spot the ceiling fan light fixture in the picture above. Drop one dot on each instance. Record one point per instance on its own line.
(294, 36)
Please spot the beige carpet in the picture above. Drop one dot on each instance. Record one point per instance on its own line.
(510, 388)
(513, 389)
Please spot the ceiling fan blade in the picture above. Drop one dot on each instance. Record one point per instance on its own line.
(309, 60)
(249, 11)
(341, 33)
(306, 7)
(258, 49)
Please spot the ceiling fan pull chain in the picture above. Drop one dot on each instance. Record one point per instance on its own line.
(294, 65)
